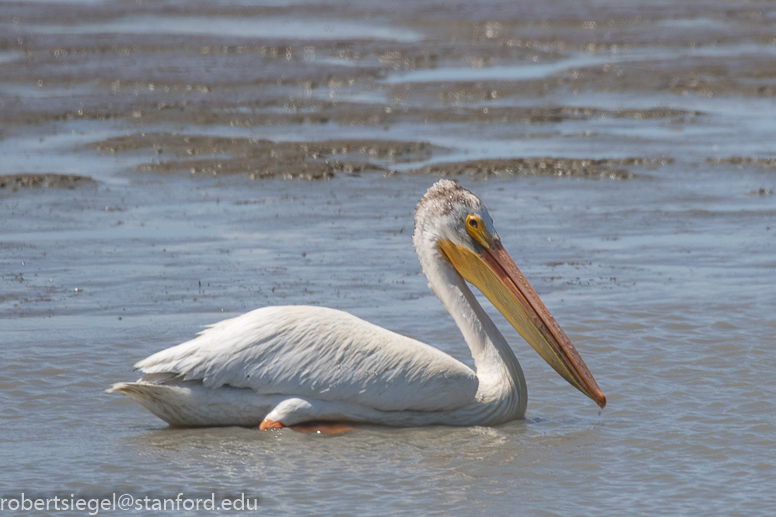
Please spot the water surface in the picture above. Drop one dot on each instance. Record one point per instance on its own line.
(663, 280)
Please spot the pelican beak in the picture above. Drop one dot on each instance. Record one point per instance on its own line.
(495, 274)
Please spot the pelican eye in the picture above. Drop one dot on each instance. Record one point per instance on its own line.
(476, 230)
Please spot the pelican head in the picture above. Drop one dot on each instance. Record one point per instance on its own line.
(453, 226)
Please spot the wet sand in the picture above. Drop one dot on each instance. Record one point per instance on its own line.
(457, 75)
(14, 182)
(150, 163)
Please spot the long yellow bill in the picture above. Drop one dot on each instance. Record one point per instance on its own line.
(495, 274)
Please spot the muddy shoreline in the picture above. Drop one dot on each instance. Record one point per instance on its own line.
(509, 73)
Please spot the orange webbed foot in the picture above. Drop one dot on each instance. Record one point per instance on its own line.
(270, 424)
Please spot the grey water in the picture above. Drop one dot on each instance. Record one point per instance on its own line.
(665, 281)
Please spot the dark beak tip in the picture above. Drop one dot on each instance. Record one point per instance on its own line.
(601, 400)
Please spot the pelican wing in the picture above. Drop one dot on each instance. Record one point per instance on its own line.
(322, 354)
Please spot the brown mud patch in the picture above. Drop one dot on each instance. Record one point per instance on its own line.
(702, 80)
(14, 182)
(276, 112)
(743, 161)
(762, 191)
(574, 167)
(266, 159)
(706, 78)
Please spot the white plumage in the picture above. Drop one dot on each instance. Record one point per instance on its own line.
(288, 365)
(320, 353)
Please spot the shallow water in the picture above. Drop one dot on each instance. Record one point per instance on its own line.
(663, 281)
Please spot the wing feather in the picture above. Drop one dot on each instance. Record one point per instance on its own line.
(323, 354)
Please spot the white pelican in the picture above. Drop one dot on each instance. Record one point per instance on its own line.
(296, 365)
